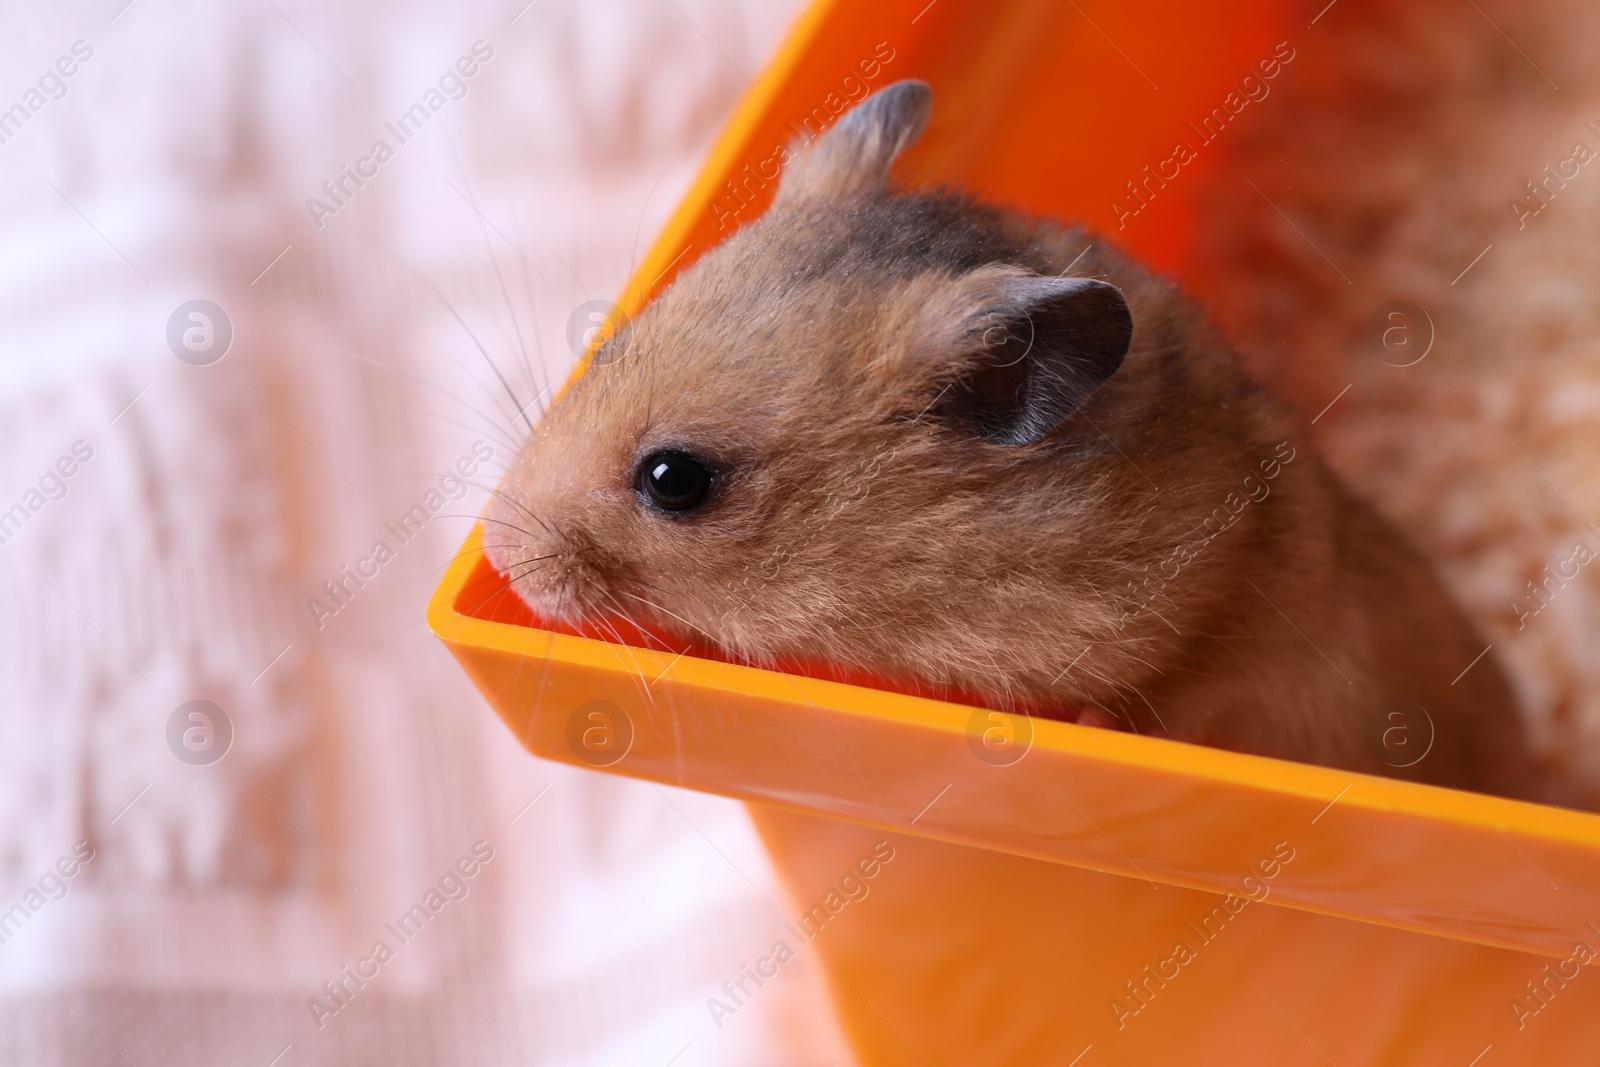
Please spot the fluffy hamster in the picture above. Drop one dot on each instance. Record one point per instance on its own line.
(906, 433)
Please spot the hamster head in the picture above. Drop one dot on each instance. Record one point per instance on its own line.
(815, 442)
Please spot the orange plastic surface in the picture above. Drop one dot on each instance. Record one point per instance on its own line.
(1034, 882)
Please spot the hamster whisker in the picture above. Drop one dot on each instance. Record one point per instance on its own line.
(503, 586)
(510, 443)
(495, 492)
(1146, 700)
(516, 406)
(618, 610)
(436, 571)
(1164, 619)
(643, 682)
(507, 443)
(1115, 686)
(680, 618)
(498, 522)
(494, 262)
(1121, 687)
(482, 547)
(1136, 642)
(638, 231)
(511, 579)
(706, 634)
(546, 388)
(644, 584)
(508, 583)
(533, 559)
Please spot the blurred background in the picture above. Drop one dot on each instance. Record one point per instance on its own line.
(217, 483)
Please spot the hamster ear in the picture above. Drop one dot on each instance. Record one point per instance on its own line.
(853, 155)
(1033, 353)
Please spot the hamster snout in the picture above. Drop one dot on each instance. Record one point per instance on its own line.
(911, 434)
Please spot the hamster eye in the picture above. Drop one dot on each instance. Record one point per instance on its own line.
(674, 481)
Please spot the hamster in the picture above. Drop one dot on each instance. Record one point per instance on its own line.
(909, 434)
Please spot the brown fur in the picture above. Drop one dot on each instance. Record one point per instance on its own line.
(853, 522)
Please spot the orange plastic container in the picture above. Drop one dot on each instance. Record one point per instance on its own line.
(1060, 894)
